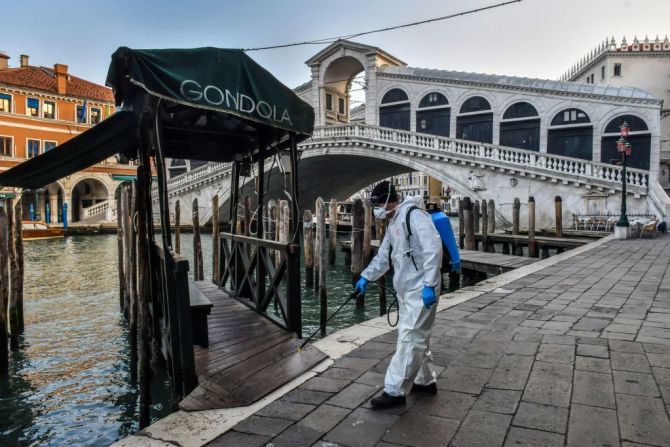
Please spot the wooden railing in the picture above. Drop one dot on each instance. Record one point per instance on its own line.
(171, 314)
(264, 275)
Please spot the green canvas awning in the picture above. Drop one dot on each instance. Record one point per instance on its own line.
(116, 134)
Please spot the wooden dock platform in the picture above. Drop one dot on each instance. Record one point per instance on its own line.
(494, 263)
(248, 356)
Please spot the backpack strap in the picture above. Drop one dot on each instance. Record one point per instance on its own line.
(409, 230)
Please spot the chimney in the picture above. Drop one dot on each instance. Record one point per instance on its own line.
(61, 78)
(24, 60)
(4, 60)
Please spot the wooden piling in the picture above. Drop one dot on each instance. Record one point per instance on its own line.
(119, 247)
(491, 223)
(131, 277)
(469, 223)
(17, 286)
(198, 270)
(144, 295)
(382, 280)
(332, 231)
(367, 232)
(177, 227)
(322, 259)
(12, 311)
(308, 234)
(4, 296)
(286, 222)
(216, 234)
(317, 242)
(247, 215)
(516, 209)
(485, 218)
(461, 225)
(125, 224)
(357, 241)
(477, 216)
(532, 247)
(558, 205)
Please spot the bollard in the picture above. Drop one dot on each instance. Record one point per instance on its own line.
(532, 248)
(332, 231)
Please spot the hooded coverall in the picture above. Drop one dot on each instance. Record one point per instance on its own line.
(416, 263)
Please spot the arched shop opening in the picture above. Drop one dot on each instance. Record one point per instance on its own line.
(639, 138)
(394, 111)
(520, 127)
(475, 120)
(86, 194)
(433, 115)
(571, 135)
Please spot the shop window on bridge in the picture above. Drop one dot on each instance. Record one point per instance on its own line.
(394, 111)
(571, 135)
(434, 115)
(520, 127)
(475, 120)
(639, 138)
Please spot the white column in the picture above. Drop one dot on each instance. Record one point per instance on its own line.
(53, 208)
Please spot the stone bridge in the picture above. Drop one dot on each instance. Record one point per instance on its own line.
(340, 160)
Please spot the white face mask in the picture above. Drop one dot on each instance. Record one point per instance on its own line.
(379, 212)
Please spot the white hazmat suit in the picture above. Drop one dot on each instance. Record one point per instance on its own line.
(416, 263)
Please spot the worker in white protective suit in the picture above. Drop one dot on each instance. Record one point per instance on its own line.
(416, 262)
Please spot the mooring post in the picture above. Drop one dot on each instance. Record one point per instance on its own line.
(558, 205)
(247, 215)
(491, 224)
(321, 237)
(11, 266)
(4, 296)
(332, 231)
(125, 223)
(461, 225)
(532, 247)
(133, 312)
(198, 268)
(319, 204)
(382, 280)
(367, 232)
(477, 216)
(17, 288)
(516, 209)
(144, 296)
(485, 217)
(469, 223)
(216, 277)
(119, 246)
(308, 235)
(357, 241)
(177, 227)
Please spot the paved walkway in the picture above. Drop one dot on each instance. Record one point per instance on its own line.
(577, 354)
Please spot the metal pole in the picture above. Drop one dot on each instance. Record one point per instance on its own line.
(623, 220)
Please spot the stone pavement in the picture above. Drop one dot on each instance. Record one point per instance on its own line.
(577, 354)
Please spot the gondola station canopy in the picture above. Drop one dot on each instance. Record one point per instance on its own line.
(207, 103)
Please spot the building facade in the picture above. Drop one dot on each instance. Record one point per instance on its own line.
(639, 63)
(40, 108)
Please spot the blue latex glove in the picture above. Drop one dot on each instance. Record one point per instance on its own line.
(455, 267)
(360, 285)
(428, 296)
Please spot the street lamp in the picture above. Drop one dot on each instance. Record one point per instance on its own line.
(625, 149)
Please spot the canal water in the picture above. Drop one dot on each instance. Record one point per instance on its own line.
(69, 381)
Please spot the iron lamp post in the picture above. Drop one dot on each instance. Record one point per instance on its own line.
(625, 149)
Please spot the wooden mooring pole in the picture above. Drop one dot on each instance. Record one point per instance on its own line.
(367, 232)
(532, 247)
(125, 223)
(322, 260)
(4, 296)
(198, 273)
(357, 241)
(558, 205)
(119, 246)
(132, 284)
(516, 209)
(12, 316)
(477, 216)
(308, 234)
(469, 224)
(332, 231)
(317, 245)
(17, 287)
(216, 277)
(485, 217)
(177, 227)
(461, 225)
(491, 223)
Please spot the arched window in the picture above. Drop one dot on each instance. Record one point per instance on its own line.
(433, 115)
(394, 110)
(520, 127)
(639, 138)
(571, 135)
(475, 120)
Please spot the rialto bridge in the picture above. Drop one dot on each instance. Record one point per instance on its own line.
(486, 136)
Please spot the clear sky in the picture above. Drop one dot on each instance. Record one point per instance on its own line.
(535, 38)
